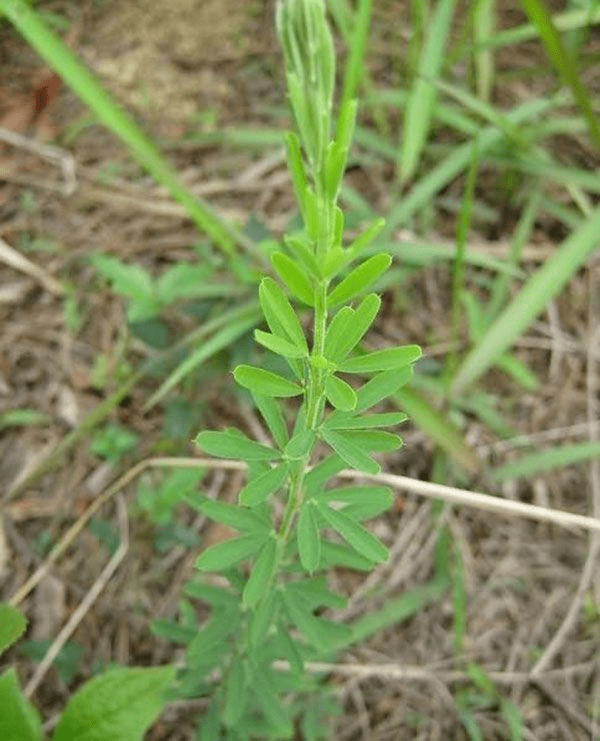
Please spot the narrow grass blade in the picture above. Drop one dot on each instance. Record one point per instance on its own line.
(426, 188)
(546, 460)
(568, 21)
(72, 70)
(421, 102)
(396, 611)
(539, 15)
(438, 427)
(549, 280)
(239, 324)
(355, 63)
(484, 17)
(458, 267)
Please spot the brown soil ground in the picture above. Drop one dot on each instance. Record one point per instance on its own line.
(179, 67)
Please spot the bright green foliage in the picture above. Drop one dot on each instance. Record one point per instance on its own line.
(19, 720)
(317, 270)
(12, 625)
(120, 705)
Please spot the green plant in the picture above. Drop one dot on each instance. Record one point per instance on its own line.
(117, 705)
(288, 511)
(113, 442)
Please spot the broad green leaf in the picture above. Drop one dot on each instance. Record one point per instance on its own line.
(349, 451)
(12, 625)
(546, 283)
(235, 693)
(354, 534)
(228, 553)
(19, 720)
(359, 279)
(232, 444)
(309, 542)
(265, 383)
(279, 313)
(346, 421)
(232, 515)
(119, 705)
(391, 358)
(279, 345)
(293, 277)
(270, 410)
(546, 460)
(381, 386)
(340, 394)
(261, 574)
(363, 317)
(260, 489)
(300, 445)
